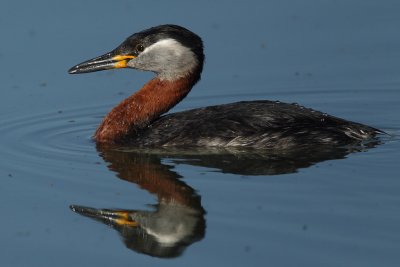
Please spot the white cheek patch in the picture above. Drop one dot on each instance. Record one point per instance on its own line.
(168, 58)
(166, 45)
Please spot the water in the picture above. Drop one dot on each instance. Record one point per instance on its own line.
(336, 209)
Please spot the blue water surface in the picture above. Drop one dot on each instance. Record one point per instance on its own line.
(337, 56)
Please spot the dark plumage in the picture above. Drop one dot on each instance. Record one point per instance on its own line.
(262, 123)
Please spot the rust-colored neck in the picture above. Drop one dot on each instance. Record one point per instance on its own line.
(142, 108)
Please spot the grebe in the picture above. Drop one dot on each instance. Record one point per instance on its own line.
(175, 55)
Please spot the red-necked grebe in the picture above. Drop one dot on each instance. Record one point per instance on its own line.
(175, 55)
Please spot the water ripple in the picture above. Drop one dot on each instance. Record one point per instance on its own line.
(50, 139)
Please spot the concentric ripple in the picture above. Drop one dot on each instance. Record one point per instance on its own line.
(50, 140)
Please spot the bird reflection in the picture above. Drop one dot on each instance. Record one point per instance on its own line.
(177, 220)
(247, 161)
